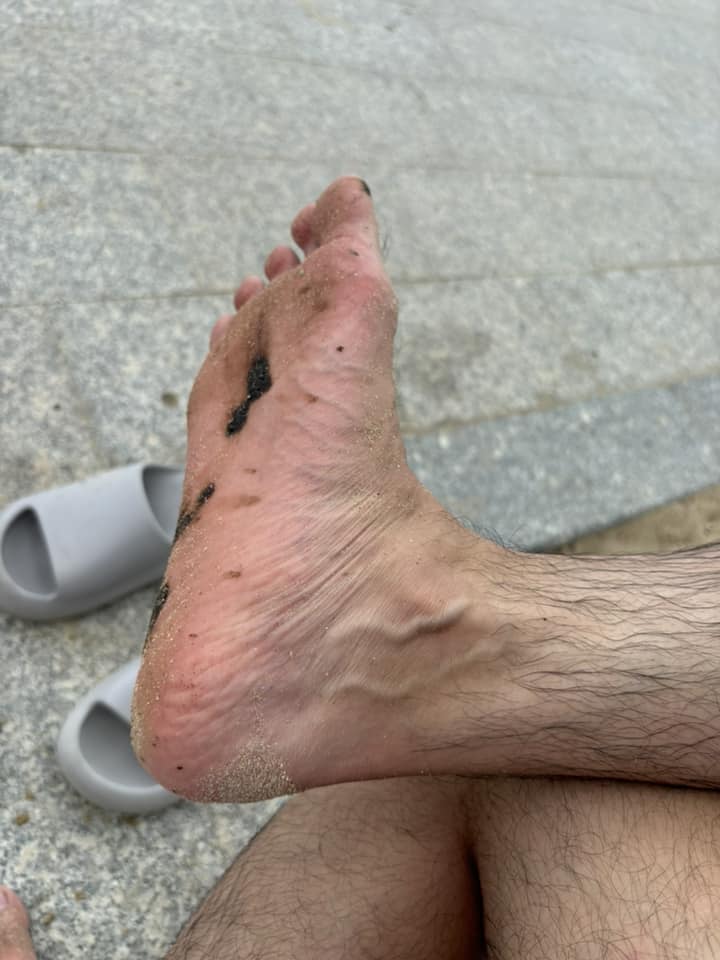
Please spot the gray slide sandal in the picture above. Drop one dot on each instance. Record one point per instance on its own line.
(95, 754)
(68, 550)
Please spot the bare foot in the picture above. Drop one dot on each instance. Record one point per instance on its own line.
(294, 641)
(15, 941)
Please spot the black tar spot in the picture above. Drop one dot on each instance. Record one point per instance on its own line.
(184, 521)
(238, 418)
(258, 383)
(187, 516)
(205, 494)
(160, 602)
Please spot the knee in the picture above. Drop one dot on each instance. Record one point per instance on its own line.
(435, 808)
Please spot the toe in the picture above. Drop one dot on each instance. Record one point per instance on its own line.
(216, 335)
(249, 288)
(302, 230)
(279, 261)
(345, 210)
(15, 941)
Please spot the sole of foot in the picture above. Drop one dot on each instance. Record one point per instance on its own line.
(294, 639)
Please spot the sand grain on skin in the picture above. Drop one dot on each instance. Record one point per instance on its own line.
(256, 773)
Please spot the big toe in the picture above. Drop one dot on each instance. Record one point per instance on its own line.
(15, 941)
(345, 209)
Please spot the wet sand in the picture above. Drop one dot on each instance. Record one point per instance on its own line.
(690, 522)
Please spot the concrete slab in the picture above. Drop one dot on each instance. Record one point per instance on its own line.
(45, 435)
(134, 363)
(476, 350)
(93, 216)
(497, 41)
(596, 463)
(98, 225)
(687, 38)
(525, 226)
(466, 352)
(525, 100)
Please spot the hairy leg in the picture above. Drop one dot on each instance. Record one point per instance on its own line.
(569, 870)
(379, 870)
(598, 870)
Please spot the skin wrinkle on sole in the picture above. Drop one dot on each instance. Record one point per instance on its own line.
(152, 652)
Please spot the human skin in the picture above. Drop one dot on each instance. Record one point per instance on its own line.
(323, 619)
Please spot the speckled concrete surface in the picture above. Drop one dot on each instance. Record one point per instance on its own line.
(539, 480)
(547, 175)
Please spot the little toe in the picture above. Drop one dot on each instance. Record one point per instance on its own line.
(15, 943)
(249, 288)
(280, 261)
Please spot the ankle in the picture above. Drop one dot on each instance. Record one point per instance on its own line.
(410, 623)
(456, 620)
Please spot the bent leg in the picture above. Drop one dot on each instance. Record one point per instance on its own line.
(570, 870)
(595, 870)
(381, 869)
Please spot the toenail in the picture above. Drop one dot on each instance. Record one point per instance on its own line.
(365, 187)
